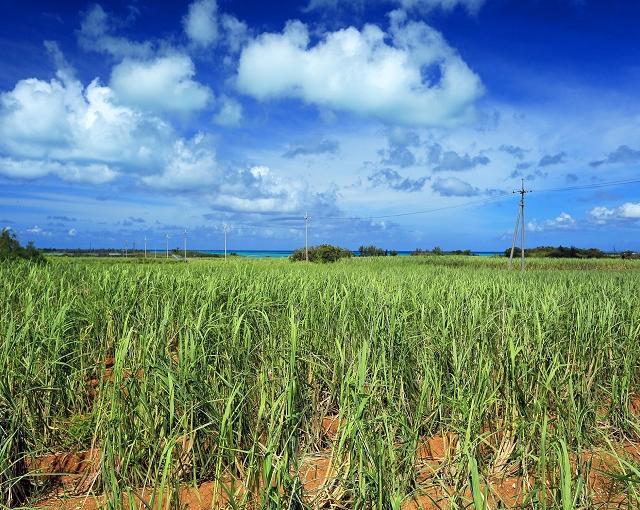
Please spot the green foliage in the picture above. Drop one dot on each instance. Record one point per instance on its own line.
(371, 251)
(226, 372)
(560, 252)
(321, 253)
(439, 251)
(10, 249)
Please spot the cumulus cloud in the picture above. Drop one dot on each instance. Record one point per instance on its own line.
(552, 159)
(623, 154)
(629, 211)
(409, 75)
(96, 34)
(451, 161)
(191, 166)
(201, 22)
(206, 27)
(62, 120)
(563, 222)
(29, 169)
(399, 153)
(72, 232)
(454, 187)
(259, 189)
(391, 179)
(163, 83)
(322, 147)
(229, 113)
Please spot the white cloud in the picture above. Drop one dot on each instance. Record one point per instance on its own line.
(62, 120)
(563, 222)
(38, 231)
(367, 72)
(629, 211)
(92, 173)
(191, 166)
(95, 35)
(205, 27)
(201, 22)
(164, 83)
(235, 32)
(454, 187)
(72, 232)
(230, 112)
(472, 6)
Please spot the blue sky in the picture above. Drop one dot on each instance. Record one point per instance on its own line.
(131, 119)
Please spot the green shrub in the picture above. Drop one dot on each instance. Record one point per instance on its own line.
(10, 249)
(321, 253)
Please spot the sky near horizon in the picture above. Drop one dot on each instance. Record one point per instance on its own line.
(130, 119)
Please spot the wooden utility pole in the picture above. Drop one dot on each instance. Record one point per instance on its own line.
(306, 236)
(185, 244)
(225, 227)
(519, 223)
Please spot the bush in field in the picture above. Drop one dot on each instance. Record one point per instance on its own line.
(10, 249)
(371, 251)
(321, 253)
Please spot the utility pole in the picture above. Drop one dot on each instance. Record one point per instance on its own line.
(125, 250)
(306, 236)
(167, 245)
(185, 244)
(225, 227)
(145, 247)
(519, 222)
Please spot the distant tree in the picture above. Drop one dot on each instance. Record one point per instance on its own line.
(371, 251)
(321, 253)
(10, 249)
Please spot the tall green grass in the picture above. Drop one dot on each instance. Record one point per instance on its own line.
(224, 371)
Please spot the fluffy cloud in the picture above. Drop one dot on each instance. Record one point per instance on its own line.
(72, 232)
(393, 180)
(322, 147)
(563, 222)
(629, 211)
(399, 153)
(454, 187)
(623, 154)
(258, 189)
(205, 27)
(68, 126)
(95, 34)
(201, 23)
(367, 72)
(191, 166)
(93, 173)
(451, 161)
(230, 112)
(164, 83)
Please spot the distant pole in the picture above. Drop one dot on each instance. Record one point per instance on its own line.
(513, 241)
(185, 244)
(522, 193)
(125, 250)
(167, 245)
(306, 236)
(225, 227)
(145, 247)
